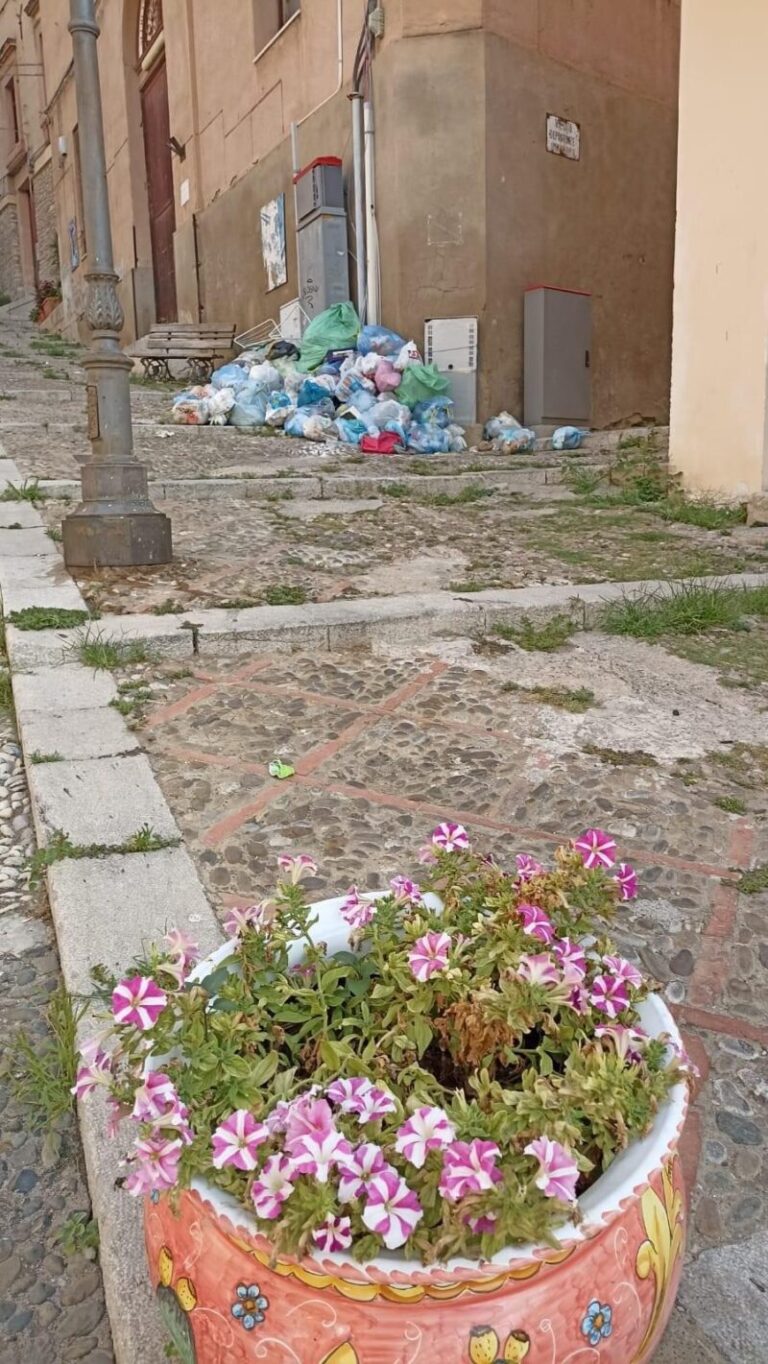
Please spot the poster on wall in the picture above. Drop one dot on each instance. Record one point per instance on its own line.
(273, 242)
(74, 248)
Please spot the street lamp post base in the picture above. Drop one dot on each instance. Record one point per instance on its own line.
(117, 539)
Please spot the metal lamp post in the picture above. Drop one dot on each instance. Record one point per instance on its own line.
(115, 523)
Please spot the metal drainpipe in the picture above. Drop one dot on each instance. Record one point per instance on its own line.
(371, 227)
(358, 172)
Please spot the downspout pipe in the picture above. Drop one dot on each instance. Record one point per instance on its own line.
(373, 293)
(358, 174)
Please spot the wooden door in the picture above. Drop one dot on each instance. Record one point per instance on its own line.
(162, 207)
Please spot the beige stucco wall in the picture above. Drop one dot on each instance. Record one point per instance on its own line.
(719, 422)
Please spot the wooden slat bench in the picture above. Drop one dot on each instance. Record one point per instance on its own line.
(201, 346)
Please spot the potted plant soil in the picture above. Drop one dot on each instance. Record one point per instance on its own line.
(434, 1124)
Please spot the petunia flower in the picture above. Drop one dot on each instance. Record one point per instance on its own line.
(686, 1065)
(527, 867)
(624, 970)
(356, 911)
(244, 919)
(138, 1002)
(469, 1167)
(626, 879)
(297, 867)
(405, 889)
(359, 1168)
(154, 1097)
(624, 1040)
(538, 970)
(572, 959)
(183, 952)
(98, 1071)
(157, 1165)
(177, 1119)
(359, 1096)
(427, 855)
(536, 923)
(610, 995)
(450, 837)
(272, 1185)
(558, 1172)
(597, 848)
(237, 1140)
(481, 1224)
(312, 1141)
(429, 955)
(335, 1234)
(392, 1210)
(428, 1129)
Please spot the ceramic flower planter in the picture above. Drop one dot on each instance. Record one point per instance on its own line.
(603, 1296)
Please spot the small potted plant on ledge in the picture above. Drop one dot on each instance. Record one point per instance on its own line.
(436, 1123)
(47, 296)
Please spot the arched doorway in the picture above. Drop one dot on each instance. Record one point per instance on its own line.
(155, 116)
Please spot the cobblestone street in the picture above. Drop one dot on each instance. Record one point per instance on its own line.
(663, 743)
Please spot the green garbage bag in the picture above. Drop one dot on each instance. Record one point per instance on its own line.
(421, 382)
(336, 329)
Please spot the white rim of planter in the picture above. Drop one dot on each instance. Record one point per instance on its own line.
(622, 1183)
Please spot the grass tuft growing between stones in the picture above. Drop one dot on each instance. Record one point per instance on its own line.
(754, 882)
(554, 634)
(731, 804)
(617, 757)
(6, 691)
(285, 594)
(42, 1074)
(38, 758)
(60, 848)
(95, 649)
(689, 609)
(28, 491)
(47, 618)
(78, 1235)
(576, 700)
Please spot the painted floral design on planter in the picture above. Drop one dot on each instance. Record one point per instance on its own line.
(367, 1116)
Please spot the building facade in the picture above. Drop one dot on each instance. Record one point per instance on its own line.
(475, 200)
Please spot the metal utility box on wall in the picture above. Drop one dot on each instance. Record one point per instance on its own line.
(324, 261)
(320, 185)
(451, 344)
(558, 340)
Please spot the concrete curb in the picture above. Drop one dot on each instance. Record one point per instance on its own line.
(106, 910)
(325, 626)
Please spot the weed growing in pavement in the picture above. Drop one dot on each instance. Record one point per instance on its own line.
(55, 534)
(56, 349)
(28, 491)
(753, 882)
(688, 609)
(47, 618)
(60, 848)
(731, 804)
(618, 757)
(285, 594)
(8, 397)
(99, 651)
(6, 691)
(38, 758)
(473, 492)
(238, 603)
(43, 1073)
(584, 482)
(169, 607)
(394, 489)
(78, 1235)
(547, 638)
(472, 585)
(287, 494)
(131, 700)
(4, 298)
(576, 700)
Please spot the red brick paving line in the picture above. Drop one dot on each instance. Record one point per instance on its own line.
(722, 1023)
(164, 714)
(713, 961)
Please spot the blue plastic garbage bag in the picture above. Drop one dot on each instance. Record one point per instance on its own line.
(351, 429)
(435, 412)
(250, 407)
(380, 340)
(568, 438)
(311, 392)
(229, 376)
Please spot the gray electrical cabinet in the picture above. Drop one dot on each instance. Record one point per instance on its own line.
(558, 342)
(324, 261)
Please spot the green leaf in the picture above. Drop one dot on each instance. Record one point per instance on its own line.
(264, 1069)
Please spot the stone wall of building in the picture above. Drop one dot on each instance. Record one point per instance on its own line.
(11, 280)
(49, 267)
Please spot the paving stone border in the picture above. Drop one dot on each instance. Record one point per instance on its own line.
(105, 909)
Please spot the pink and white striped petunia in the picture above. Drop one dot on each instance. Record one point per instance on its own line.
(597, 849)
(138, 1002)
(536, 923)
(97, 1071)
(356, 1170)
(298, 867)
(247, 918)
(356, 911)
(428, 1129)
(538, 970)
(558, 1172)
(482, 1224)
(469, 1167)
(609, 995)
(450, 837)
(624, 1040)
(157, 1165)
(155, 1097)
(404, 889)
(359, 1096)
(335, 1234)
(429, 955)
(273, 1184)
(183, 951)
(572, 959)
(392, 1210)
(626, 879)
(527, 867)
(624, 970)
(312, 1141)
(237, 1140)
(427, 855)
(177, 1119)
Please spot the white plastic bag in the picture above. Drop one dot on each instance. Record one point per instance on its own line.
(504, 422)
(220, 406)
(409, 355)
(266, 376)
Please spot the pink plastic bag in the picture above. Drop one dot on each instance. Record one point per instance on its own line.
(386, 377)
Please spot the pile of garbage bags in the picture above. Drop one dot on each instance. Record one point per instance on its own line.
(508, 437)
(365, 386)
